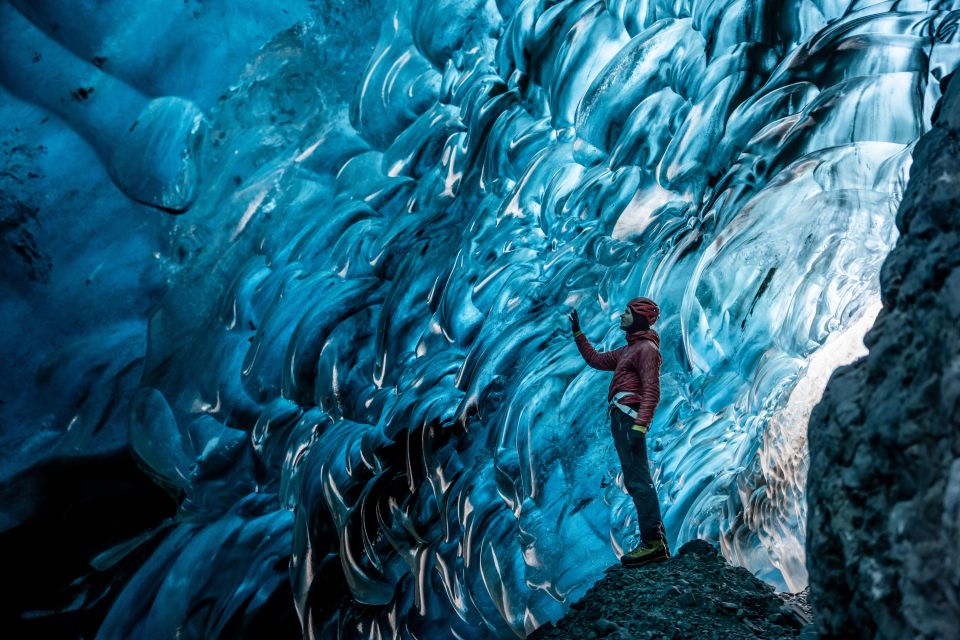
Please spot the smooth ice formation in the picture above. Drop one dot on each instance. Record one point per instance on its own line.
(363, 360)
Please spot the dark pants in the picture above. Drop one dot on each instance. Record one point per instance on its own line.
(632, 448)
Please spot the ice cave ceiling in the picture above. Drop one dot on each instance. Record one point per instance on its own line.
(311, 261)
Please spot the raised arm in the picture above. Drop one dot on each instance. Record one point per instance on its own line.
(646, 361)
(605, 361)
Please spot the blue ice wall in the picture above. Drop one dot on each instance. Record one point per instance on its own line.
(84, 264)
(360, 360)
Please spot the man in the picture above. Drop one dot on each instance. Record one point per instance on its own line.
(632, 398)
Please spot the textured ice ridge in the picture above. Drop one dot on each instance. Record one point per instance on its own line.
(365, 360)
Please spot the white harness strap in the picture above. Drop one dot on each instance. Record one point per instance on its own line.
(615, 402)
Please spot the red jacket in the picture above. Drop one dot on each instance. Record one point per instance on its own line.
(636, 369)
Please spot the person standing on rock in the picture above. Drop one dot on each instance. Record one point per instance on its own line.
(632, 399)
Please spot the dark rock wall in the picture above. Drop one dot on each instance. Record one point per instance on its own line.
(884, 479)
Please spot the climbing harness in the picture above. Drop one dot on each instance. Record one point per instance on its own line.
(615, 402)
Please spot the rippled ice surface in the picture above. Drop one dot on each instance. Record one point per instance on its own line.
(364, 361)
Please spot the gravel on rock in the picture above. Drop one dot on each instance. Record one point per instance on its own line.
(696, 594)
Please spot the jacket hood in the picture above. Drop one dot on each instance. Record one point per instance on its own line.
(647, 334)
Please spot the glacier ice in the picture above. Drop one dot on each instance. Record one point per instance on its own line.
(361, 362)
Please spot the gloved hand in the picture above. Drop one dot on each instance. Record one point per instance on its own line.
(574, 321)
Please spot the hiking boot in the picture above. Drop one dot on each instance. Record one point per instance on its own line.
(655, 551)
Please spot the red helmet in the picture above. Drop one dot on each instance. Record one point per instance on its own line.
(644, 307)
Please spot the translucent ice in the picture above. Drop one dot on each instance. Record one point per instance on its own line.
(365, 353)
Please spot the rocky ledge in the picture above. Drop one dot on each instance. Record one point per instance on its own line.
(693, 595)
